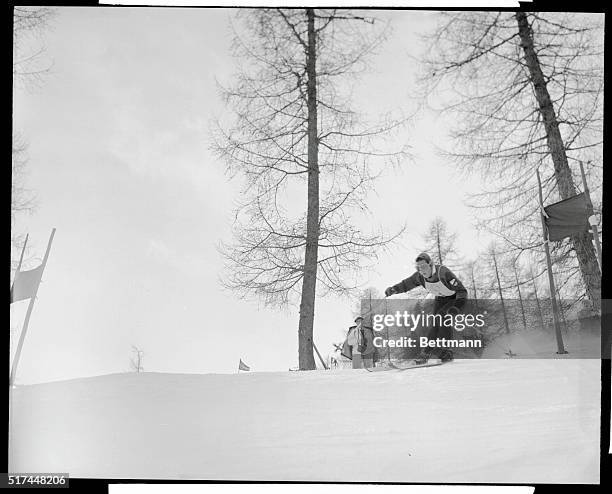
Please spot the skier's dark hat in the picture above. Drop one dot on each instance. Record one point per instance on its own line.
(358, 318)
(423, 256)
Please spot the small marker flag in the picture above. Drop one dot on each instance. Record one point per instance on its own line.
(26, 283)
(567, 217)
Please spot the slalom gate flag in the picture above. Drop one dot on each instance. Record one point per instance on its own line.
(567, 217)
(26, 283)
(243, 366)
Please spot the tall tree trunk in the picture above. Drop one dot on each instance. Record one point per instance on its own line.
(518, 288)
(582, 244)
(474, 288)
(561, 309)
(501, 295)
(535, 291)
(307, 304)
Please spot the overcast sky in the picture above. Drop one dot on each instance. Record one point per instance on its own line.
(120, 164)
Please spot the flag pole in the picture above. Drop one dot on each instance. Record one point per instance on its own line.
(28, 314)
(11, 413)
(551, 281)
(320, 358)
(593, 222)
(22, 252)
(19, 265)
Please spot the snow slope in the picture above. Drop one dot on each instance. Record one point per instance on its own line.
(470, 421)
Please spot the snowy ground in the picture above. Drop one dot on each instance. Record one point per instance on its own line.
(470, 421)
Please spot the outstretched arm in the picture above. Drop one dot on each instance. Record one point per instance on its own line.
(404, 285)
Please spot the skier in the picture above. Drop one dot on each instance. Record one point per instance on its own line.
(450, 296)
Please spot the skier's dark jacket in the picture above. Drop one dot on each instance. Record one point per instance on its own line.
(439, 273)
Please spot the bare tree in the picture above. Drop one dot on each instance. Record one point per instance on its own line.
(441, 242)
(495, 259)
(29, 68)
(471, 269)
(512, 264)
(527, 91)
(30, 64)
(369, 302)
(22, 199)
(136, 360)
(535, 296)
(293, 129)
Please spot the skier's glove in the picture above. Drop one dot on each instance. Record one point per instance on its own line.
(390, 291)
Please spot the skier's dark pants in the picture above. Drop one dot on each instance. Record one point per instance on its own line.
(441, 306)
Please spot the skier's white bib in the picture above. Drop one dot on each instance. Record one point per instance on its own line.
(438, 288)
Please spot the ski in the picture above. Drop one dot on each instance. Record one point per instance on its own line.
(418, 366)
(394, 367)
